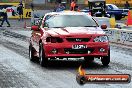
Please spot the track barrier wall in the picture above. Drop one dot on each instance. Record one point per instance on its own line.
(121, 36)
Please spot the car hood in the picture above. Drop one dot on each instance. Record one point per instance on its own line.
(75, 31)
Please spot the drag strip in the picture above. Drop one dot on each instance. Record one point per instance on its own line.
(14, 35)
(59, 74)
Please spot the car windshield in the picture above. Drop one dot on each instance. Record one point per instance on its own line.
(114, 7)
(58, 21)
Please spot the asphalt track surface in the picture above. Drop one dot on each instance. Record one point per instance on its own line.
(17, 71)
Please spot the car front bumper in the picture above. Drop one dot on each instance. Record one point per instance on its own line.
(66, 50)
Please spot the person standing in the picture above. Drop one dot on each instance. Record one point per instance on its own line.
(72, 6)
(20, 11)
(5, 17)
(127, 5)
(32, 6)
(60, 8)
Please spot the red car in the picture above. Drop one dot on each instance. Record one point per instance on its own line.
(69, 34)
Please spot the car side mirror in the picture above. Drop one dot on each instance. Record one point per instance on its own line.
(103, 26)
(35, 28)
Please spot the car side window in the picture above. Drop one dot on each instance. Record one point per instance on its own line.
(39, 22)
(47, 17)
(108, 8)
(46, 22)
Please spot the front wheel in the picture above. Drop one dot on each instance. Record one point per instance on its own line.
(106, 59)
(43, 60)
(31, 53)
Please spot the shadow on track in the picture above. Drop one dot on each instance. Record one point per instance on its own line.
(72, 64)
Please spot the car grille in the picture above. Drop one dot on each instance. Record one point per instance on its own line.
(78, 39)
(77, 51)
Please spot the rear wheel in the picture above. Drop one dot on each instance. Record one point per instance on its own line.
(106, 59)
(118, 17)
(31, 53)
(43, 60)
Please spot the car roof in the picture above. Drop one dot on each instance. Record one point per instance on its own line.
(110, 4)
(67, 13)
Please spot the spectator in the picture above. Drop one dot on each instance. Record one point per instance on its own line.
(32, 6)
(20, 11)
(5, 17)
(58, 1)
(73, 4)
(60, 8)
(127, 5)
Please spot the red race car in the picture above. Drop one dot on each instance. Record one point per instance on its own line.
(69, 34)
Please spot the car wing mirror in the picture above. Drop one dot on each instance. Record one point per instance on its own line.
(103, 26)
(35, 28)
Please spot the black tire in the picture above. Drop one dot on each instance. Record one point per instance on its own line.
(118, 17)
(106, 59)
(89, 59)
(43, 60)
(31, 53)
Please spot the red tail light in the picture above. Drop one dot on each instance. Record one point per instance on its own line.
(54, 39)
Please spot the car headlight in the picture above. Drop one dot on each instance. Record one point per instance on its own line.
(101, 39)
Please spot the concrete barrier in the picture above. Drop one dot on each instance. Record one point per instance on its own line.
(121, 36)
